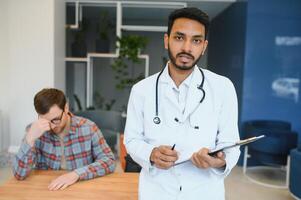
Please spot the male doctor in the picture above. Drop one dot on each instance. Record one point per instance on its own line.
(176, 117)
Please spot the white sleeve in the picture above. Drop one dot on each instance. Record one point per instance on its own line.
(228, 127)
(134, 140)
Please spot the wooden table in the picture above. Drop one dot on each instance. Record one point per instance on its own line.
(115, 186)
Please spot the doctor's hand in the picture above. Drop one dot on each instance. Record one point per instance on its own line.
(201, 159)
(163, 157)
(63, 181)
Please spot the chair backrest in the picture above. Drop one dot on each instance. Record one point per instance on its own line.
(278, 142)
(111, 120)
(269, 125)
(131, 165)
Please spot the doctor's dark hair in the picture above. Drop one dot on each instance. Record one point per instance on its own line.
(190, 13)
(48, 97)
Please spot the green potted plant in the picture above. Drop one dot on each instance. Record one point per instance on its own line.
(79, 46)
(129, 47)
(101, 103)
(104, 27)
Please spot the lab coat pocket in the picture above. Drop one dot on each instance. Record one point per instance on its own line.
(167, 180)
(213, 190)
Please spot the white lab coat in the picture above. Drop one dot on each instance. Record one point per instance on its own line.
(216, 117)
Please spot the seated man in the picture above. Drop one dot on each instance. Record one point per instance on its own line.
(59, 140)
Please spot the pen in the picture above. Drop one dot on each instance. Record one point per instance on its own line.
(173, 147)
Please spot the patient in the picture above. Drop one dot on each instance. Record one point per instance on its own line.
(59, 140)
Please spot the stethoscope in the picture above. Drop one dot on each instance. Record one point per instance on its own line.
(157, 119)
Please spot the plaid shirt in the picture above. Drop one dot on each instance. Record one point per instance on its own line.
(86, 152)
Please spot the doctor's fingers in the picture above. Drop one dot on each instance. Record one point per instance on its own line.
(219, 161)
(157, 155)
(167, 158)
(199, 162)
(215, 161)
(211, 161)
(163, 164)
(166, 150)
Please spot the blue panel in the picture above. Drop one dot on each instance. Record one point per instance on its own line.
(227, 45)
(272, 70)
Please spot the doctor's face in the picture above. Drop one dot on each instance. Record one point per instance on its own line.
(186, 43)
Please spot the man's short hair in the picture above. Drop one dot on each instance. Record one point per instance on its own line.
(190, 13)
(48, 97)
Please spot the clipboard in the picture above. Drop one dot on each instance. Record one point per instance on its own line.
(239, 143)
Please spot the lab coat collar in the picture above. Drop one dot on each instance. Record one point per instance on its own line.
(166, 78)
(169, 83)
(194, 94)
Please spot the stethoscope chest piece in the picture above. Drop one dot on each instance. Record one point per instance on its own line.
(157, 120)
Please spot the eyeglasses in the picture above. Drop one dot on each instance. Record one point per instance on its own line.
(57, 121)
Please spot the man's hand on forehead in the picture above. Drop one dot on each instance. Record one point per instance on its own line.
(37, 129)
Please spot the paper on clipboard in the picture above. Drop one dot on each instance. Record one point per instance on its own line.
(239, 143)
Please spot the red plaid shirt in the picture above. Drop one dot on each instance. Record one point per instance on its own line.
(85, 150)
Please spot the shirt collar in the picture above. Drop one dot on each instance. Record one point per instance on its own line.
(76, 122)
(73, 123)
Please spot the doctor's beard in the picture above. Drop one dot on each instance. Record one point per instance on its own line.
(182, 67)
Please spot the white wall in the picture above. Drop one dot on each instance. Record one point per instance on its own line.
(59, 44)
(4, 70)
(32, 48)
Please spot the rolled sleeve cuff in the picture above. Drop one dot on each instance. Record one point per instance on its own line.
(143, 158)
(223, 171)
(147, 153)
(231, 160)
(81, 172)
(26, 148)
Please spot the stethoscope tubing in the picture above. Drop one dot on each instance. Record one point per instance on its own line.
(156, 119)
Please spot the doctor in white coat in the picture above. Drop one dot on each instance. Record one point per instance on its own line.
(176, 117)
